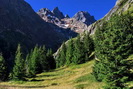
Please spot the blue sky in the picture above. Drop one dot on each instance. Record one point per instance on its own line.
(97, 8)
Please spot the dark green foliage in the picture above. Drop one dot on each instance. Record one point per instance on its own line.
(51, 60)
(34, 61)
(18, 69)
(42, 60)
(69, 52)
(62, 56)
(75, 51)
(88, 46)
(38, 61)
(113, 45)
(3, 69)
(99, 70)
(78, 52)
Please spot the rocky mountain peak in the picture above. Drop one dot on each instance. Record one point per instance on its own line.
(56, 9)
(45, 12)
(67, 16)
(78, 23)
(58, 13)
(84, 17)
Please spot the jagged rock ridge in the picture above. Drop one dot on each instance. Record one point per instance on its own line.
(78, 23)
(84, 17)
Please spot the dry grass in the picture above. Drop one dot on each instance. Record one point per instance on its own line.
(62, 78)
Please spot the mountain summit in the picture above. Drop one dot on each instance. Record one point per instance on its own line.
(78, 23)
(84, 17)
(58, 13)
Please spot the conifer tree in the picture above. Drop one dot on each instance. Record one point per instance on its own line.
(61, 59)
(43, 61)
(51, 60)
(31, 61)
(69, 52)
(27, 65)
(113, 44)
(3, 69)
(78, 52)
(39, 60)
(88, 46)
(18, 69)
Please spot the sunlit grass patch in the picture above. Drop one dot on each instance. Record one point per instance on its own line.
(72, 77)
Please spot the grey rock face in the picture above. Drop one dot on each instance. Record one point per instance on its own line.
(84, 17)
(77, 24)
(45, 12)
(57, 13)
(67, 16)
(118, 1)
(48, 16)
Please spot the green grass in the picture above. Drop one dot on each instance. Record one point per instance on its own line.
(87, 81)
(87, 77)
(130, 84)
(73, 77)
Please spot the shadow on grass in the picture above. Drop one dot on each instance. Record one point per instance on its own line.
(17, 87)
(60, 69)
(49, 75)
(37, 80)
(131, 88)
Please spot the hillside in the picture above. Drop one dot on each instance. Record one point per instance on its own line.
(120, 7)
(73, 77)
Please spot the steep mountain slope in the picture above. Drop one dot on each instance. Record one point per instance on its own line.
(120, 7)
(78, 23)
(20, 24)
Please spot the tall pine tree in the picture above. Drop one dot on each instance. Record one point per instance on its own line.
(78, 52)
(38, 61)
(3, 69)
(88, 46)
(61, 59)
(69, 52)
(51, 60)
(113, 44)
(18, 69)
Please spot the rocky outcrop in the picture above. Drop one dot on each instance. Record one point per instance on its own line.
(84, 17)
(67, 16)
(48, 16)
(57, 13)
(78, 23)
